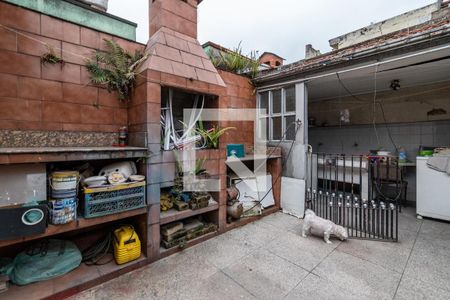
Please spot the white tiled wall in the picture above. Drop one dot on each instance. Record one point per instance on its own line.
(359, 139)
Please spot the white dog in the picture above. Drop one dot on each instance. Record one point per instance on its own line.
(322, 227)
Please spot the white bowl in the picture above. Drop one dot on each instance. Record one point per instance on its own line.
(95, 181)
(137, 178)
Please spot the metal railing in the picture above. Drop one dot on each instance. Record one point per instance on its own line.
(360, 193)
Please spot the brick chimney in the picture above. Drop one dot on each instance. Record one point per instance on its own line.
(173, 47)
(178, 15)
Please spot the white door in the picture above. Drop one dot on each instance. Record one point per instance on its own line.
(294, 182)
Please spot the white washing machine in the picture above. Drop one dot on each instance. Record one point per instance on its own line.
(433, 192)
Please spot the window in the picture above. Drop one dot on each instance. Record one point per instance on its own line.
(280, 113)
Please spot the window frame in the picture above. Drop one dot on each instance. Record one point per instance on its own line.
(270, 115)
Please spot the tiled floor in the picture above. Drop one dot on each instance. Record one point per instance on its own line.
(269, 259)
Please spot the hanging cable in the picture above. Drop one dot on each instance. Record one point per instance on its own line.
(377, 102)
(299, 124)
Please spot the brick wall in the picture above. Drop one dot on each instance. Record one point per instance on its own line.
(40, 103)
(239, 94)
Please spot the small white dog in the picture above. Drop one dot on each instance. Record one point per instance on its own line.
(322, 227)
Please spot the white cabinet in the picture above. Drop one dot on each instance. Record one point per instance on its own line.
(433, 191)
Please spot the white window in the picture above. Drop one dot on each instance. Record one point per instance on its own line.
(280, 113)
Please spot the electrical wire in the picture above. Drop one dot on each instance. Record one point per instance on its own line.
(375, 101)
(99, 250)
(299, 124)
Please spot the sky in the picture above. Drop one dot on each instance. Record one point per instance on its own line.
(283, 27)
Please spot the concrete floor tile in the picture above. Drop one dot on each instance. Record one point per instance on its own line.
(317, 288)
(282, 221)
(304, 252)
(257, 233)
(392, 256)
(266, 275)
(222, 251)
(435, 229)
(364, 278)
(219, 286)
(430, 264)
(408, 222)
(415, 289)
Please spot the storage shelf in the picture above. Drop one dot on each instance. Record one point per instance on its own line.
(247, 220)
(80, 223)
(163, 252)
(252, 158)
(58, 154)
(81, 278)
(173, 215)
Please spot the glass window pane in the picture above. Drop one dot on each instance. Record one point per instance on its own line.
(263, 126)
(276, 128)
(290, 99)
(290, 134)
(276, 101)
(264, 101)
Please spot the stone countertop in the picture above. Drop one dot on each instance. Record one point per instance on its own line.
(36, 150)
(61, 154)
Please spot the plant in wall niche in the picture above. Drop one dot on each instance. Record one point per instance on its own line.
(236, 62)
(51, 57)
(115, 68)
(211, 136)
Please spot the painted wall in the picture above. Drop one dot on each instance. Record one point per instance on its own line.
(401, 106)
(53, 105)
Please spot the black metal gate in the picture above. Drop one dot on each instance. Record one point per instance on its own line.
(361, 193)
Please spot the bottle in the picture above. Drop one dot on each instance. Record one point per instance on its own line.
(402, 155)
(123, 136)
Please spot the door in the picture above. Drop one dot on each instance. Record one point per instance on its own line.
(294, 154)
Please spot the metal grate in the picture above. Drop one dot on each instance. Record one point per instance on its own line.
(108, 202)
(357, 192)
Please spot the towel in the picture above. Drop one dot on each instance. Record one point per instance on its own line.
(440, 162)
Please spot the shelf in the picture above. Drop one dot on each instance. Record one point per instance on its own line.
(80, 223)
(163, 252)
(173, 215)
(247, 220)
(81, 278)
(55, 154)
(254, 157)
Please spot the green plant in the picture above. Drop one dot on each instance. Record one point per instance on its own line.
(51, 58)
(115, 68)
(212, 135)
(235, 61)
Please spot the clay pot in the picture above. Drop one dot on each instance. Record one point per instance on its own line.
(232, 193)
(235, 211)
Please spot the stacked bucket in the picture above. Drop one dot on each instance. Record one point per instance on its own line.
(63, 191)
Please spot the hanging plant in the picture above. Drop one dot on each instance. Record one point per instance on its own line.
(51, 58)
(115, 68)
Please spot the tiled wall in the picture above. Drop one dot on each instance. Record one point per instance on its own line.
(362, 138)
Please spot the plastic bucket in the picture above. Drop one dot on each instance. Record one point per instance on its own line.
(63, 211)
(64, 180)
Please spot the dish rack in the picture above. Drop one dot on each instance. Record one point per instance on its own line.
(112, 199)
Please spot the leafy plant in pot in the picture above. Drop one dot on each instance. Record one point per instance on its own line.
(211, 136)
(115, 68)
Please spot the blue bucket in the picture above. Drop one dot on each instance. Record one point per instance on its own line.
(63, 211)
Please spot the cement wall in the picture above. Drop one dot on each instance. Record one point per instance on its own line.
(408, 19)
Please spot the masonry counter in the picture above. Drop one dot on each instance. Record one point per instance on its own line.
(59, 154)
